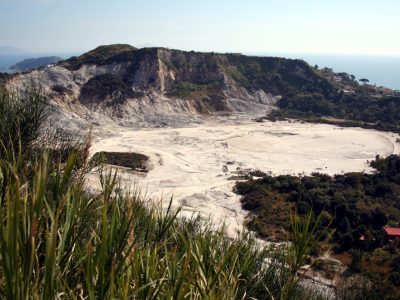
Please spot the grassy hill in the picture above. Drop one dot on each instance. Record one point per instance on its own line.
(100, 56)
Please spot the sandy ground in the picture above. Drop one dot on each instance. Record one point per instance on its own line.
(193, 165)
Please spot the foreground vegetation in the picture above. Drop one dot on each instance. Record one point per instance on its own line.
(59, 242)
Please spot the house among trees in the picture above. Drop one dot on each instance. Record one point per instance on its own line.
(392, 233)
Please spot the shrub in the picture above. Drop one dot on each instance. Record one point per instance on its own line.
(23, 115)
(356, 260)
(303, 207)
(107, 88)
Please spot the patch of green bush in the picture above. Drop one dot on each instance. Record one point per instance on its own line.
(124, 159)
(357, 202)
(351, 110)
(106, 88)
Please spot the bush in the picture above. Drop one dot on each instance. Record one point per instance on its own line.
(23, 115)
(107, 88)
(303, 207)
(356, 260)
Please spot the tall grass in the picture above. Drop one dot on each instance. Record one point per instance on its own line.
(59, 241)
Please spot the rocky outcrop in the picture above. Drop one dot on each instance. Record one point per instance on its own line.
(137, 85)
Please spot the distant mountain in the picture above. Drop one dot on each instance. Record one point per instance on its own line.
(10, 51)
(34, 63)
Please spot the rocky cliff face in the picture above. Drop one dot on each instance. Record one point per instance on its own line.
(157, 84)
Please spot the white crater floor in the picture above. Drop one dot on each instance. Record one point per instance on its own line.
(193, 165)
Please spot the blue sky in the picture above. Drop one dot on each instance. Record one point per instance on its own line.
(298, 26)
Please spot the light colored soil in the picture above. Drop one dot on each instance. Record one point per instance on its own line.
(193, 165)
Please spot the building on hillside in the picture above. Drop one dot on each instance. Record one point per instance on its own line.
(384, 91)
(392, 233)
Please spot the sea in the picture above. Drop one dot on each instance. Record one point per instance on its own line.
(379, 70)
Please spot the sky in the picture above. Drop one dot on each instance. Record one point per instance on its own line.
(290, 26)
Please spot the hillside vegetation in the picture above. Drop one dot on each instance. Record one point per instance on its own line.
(356, 202)
(348, 104)
(106, 88)
(355, 205)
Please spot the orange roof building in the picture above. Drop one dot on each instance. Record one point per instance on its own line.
(392, 232)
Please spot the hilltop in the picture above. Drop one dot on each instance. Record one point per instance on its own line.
(102, 55)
